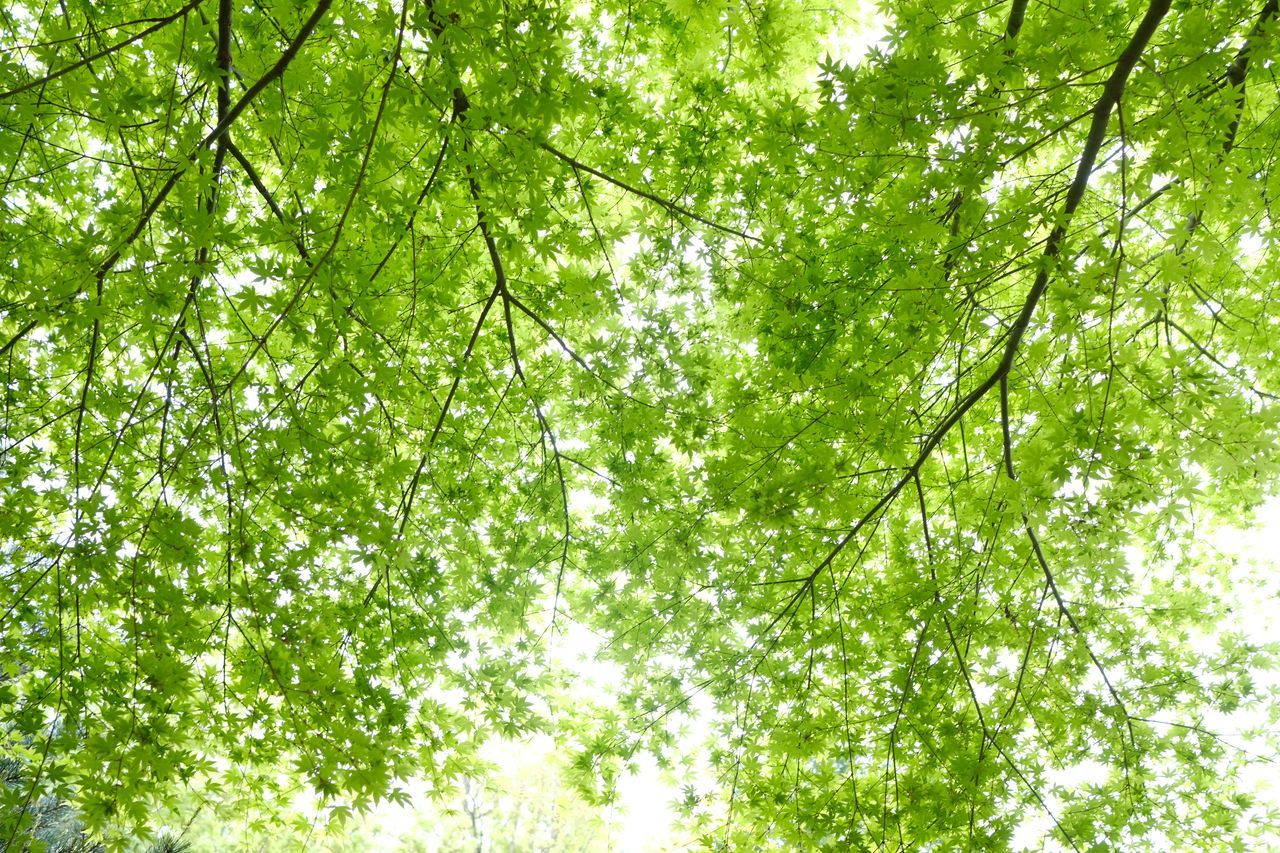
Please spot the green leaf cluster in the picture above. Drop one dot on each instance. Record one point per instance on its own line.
(351, 350)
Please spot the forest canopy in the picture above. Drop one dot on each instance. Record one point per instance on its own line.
(354, 350)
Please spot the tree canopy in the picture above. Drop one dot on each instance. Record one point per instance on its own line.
(352, 349)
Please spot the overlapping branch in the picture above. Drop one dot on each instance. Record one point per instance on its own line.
(160, 24)
(1113, 88)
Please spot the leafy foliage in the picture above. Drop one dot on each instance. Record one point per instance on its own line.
(522, 804)
(351, 348)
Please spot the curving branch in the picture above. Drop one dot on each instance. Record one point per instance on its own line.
(548, 434)
(1049, 578)
(1112, 90)
(160, 24)
(666, 204)
(229, 118)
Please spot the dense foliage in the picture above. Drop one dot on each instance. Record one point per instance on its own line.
(351, 349)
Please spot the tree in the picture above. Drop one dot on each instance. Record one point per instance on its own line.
(52, 824)
(353, 348)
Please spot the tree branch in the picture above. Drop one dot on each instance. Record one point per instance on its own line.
(1113, 88)
(160, 24)
(665, 204)
(222, 127)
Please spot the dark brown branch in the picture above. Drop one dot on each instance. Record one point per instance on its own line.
(1075, 626)
(988, 736)
(223, 104)
(1113, 88)
(1235, 78)
(1239, 67)
(460, 106)
(224, 88)
(304, 288)
(1048, 573)
(18, 336)
(417, 204)
(411, 493)
(665, 204)
(1173, 324)
(160, 24)
(1004, 427)
(304, 253)
(256, 180)
(1017, 12)
(218, 132)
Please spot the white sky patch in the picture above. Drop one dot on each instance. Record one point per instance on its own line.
(586, 504)
(627, 248)
(865, 27)
(646, 819)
